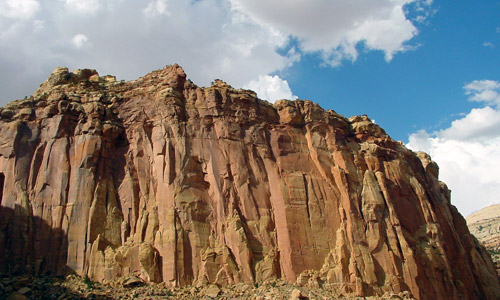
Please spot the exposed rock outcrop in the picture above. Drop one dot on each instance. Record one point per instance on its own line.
(485, 226)
(160, 179)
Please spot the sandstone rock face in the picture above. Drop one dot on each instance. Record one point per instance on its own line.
(485, 223)
(160, 179)
(485, 226)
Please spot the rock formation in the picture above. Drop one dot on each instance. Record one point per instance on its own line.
(485, 226)
(168, 181)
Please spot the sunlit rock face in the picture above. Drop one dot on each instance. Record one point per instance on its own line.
(185, 185)
(485, 226)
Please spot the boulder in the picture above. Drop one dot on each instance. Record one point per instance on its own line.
(131, 281)
(212, 291)
(297, 295)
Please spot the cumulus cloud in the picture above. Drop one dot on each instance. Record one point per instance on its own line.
(38, 25)
(18, 9)
(271, 88)
(467, 152)
(157, 7)
(207, 38)
(236, 40)
(83, 6)
(487, 91)
(335, 28)
(79, 40)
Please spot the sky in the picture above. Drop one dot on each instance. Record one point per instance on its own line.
(427, 71)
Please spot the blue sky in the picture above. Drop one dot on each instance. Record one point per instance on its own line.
(418, 89)
(427, 71)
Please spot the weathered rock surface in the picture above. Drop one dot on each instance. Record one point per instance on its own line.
(485, 226)
(160, 179)
(77, 288)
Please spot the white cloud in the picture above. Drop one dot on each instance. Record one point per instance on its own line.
(156, 8)
(38, 25)
(207, 38)
(235, 40)
(271, 88)
(481, 85)
(467, 152)
(335, 28)
(79, 40)
(387, 33)
(84, 6)
(488, 44)
(423, 10)
(484, 91)
(19, 9)
(479, 124)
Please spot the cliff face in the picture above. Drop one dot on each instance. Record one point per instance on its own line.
(186, 185)
(485, 226)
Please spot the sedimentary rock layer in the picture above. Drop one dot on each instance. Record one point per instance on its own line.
(172, 182)
(485, 226)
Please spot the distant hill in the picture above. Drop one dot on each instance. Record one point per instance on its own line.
(485, 226)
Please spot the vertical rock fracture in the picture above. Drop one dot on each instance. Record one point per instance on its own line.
(176, 183)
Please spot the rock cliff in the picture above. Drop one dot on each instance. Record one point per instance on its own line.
(175, 183)
(485, 226)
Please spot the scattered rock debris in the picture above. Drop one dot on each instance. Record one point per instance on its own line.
(75, 287)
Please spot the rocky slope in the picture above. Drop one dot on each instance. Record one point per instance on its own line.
(485, 226)
(174, 183)
(73, 287)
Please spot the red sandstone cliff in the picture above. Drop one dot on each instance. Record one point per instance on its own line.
(187, 185)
